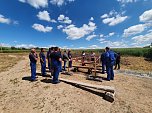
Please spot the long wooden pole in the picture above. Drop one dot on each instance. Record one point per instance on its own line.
(99, 87)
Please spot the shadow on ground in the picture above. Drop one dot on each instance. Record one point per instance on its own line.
(28, 78)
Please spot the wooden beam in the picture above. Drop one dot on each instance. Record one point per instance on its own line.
(99, 87)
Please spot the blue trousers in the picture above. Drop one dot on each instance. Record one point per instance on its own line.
(64, 67)
(56, 71)
(103, 66)
(43, 68)
(110, 72)
(33, 71)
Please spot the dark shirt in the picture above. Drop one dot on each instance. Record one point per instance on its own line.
(118, 58)
(65, 57)
(48, 54)
(55, 56)
(70, 55)
(103, 56)
(32, 58)
(42, 56)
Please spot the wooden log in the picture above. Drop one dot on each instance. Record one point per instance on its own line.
(98, 87)
(109, 96)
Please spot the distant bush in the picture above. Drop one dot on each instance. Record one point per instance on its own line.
(148, 54)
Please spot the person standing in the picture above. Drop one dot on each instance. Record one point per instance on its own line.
(43, 62)
(65, 59)
(70, 59)
(33, 59)
(110, 61)
(117, 61)
(56, 64)
(92, 56)
(103, 61)
(83, 57)
(48, 58)
(60, 52)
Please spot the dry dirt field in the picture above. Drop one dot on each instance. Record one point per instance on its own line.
(19, 95)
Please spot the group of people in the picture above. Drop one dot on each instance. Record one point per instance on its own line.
(55, 58)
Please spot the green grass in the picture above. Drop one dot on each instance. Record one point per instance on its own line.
(138, 52)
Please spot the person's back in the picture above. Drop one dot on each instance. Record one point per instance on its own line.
(110, 57)
(110, 61)
(65, 56)
(55, 59)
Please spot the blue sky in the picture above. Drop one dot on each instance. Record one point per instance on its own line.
(76, 23)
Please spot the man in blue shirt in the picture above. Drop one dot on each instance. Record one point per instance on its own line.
(43, 62)
(56, 60)
(110, 61)
(33, 59)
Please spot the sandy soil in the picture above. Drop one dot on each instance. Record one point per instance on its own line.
(19, 95)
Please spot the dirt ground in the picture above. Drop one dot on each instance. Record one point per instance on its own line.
(19, 95)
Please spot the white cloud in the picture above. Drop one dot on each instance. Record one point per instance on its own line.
(133, 30)
(94, 47)
(113, 18)
(116, 44)
(44, 15)
(25, 46)
(143, 38)
(146, 16)
(91, 37)
(124, 2)
(4, 45)
(4, 20)
(60, 2)
(74, 32)
(36, 3)
(41, 28)
(111, 34)
(59, 26)
(101, 35)
(91, 19)
(105, 16)
(64, 19)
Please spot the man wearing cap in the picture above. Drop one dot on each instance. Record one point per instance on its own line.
(33, 59)
(110, 61)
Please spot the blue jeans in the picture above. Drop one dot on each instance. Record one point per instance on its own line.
(56, 71)
(64, 67)
(33, 71)
(110, 72)
(43, 68)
